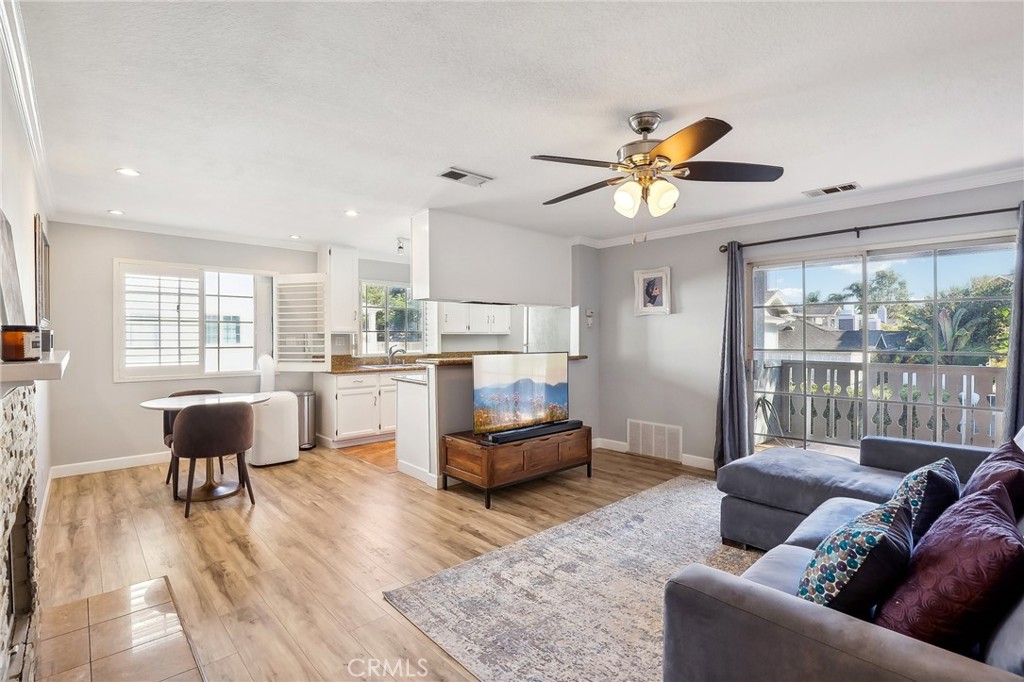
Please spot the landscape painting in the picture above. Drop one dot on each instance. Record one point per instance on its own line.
(513, 391)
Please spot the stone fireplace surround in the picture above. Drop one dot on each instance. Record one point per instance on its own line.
(17, 516)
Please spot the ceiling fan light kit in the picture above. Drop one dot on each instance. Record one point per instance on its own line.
(627, 198)
(648, 163)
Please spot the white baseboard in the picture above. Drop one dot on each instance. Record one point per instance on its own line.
(689, 460)
(96, 466)
(697, 462)
(433, 480)
(609, 444)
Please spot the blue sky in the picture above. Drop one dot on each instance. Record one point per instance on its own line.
(955, 268)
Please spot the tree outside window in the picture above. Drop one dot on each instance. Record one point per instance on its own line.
(390, 317)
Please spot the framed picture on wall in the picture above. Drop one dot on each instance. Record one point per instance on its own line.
(42, 274)
(652, 291)
(12, 310)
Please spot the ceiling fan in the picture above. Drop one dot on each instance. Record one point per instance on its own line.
(646, 165)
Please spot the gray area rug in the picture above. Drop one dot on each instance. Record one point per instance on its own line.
(580, 601)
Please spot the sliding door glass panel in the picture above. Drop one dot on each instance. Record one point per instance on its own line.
(778, 285)
(897, 277)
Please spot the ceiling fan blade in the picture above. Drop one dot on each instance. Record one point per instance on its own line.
(589, 188)
(691, 140)
(611, 165)
(728, 171)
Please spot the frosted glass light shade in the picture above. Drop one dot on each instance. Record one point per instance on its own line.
(662, 197)
(627, 198)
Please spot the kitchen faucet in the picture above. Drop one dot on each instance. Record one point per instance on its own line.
(392, 352)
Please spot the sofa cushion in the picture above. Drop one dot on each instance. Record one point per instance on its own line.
(800, 480)
(964, 576)
(1006, 465)
(860, 563)
(780, 568)
(929, 491)
(825, 519)
(1005, 648)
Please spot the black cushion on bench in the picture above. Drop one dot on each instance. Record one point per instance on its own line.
(800, 480)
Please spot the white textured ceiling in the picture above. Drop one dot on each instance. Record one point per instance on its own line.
(271, 119)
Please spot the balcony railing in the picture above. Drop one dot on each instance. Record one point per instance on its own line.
(840, 403)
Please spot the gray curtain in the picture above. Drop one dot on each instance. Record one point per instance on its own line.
(732, 428)
(1015, 366)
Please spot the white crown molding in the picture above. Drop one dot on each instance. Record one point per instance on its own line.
(15, 49)
(585, 241)
(212, 235)
(826, 204)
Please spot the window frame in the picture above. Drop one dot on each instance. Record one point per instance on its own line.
(361, 340)
(123, 374)
(865, 255)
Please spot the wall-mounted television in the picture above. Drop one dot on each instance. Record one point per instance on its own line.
(517, 390)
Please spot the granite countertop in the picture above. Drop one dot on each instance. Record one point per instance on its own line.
(410, 367)
(468, 360)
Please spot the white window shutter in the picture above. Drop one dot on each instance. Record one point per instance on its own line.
(301, 342)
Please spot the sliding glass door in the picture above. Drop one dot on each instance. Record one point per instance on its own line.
(909, 344)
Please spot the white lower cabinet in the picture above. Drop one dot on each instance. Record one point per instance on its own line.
(356, 406)
(388, 407)
(358, 412)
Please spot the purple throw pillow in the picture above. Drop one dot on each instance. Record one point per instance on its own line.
(964, 576)
(1005, 465)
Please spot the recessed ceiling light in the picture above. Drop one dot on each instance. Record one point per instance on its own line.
(130, 172)
(114, 211)
(295, 236)
(351, 213)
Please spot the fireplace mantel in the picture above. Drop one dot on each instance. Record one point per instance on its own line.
(50, 368)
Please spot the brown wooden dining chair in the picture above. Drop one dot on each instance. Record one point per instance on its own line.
(169, 416)
(204, 431)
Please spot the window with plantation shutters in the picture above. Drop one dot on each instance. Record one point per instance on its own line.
(161, 321)
(176, 321)
(300, 323)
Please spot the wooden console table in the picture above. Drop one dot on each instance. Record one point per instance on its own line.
(488, 466)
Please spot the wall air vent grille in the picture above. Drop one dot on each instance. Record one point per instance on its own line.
(654, 440)
(464, 177)
(834, 189)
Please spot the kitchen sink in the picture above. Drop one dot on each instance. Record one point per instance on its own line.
(386, 367)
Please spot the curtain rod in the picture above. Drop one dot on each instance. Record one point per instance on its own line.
(857, 230)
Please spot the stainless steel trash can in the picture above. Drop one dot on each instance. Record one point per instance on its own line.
(307, 419)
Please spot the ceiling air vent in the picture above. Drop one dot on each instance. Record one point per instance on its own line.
(464, 177)
(834, 189)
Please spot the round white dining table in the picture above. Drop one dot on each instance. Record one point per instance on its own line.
(211, 489)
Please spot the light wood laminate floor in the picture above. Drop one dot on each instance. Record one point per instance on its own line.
(290, 588)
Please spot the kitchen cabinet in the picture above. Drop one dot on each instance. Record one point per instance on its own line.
(341, 265)
(475, 318)
(358, 407)
(454, 318)
(358, 412)
(388, 407)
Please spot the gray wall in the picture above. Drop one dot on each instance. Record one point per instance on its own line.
(585, 394)
(19, 199)
(94, 418)
(665, 369)
(383, 271)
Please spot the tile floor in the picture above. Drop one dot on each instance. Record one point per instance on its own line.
(131, 634)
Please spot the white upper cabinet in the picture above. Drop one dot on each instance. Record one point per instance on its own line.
(501, 319)
(341, 265)
(479, 319)
(475, 318)
(454, 318)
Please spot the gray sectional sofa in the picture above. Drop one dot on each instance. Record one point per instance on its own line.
(752, 627)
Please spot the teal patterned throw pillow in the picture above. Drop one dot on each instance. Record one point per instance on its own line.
(929, 491)
(860, 563)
